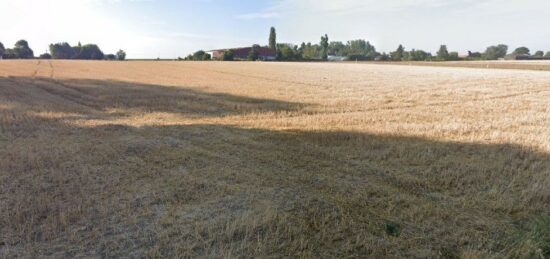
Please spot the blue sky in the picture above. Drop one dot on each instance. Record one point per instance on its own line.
(170, 28)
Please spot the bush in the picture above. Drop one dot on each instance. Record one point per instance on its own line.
(110, 57)
(199, 56)
(46, 56)
(121, 55)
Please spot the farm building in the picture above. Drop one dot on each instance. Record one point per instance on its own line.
(264, 53)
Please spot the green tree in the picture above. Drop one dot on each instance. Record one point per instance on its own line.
(453, 56)
(10, 54)
(474, 55)
(273, 39)
(45, 56)
(397, 55)
(495, 52)
(254, 53)
(110, 57)
(302, 48)
(62, 51)
(443, 53)
(2, 50)
(228, 55)
(22, 50)
(418, 55)
(88, 52)
(286, 52)
(547, 54)
(522, 51)
(361, 50)
(199, 55)
(539, 54)
(121, 55)
(324, 47)
(309, 51)
(337, 48)
(383, 57)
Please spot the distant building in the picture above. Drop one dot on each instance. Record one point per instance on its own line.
(264, 53)
(336, 58)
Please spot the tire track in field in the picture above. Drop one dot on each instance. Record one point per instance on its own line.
(35, 72)
(52, 69)
(58, 91)
(68, 93)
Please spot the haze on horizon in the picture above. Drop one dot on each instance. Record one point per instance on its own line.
(171, 28)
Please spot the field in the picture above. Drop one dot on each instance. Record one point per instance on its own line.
(540, 65)
(191, 159)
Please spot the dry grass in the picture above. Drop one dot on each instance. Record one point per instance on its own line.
(166, 159)
(539, 65)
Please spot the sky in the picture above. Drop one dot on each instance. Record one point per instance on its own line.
(172, 28)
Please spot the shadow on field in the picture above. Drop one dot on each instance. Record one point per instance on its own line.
(92, 96)
(224, 191)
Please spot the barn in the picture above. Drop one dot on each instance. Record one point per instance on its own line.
(264, 53)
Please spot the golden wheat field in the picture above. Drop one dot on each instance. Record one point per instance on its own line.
(312, 160)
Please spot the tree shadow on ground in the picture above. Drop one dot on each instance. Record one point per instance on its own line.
(222, 191)
(92, 96)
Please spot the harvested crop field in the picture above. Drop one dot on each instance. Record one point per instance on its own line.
(216, 159)
(538, 65)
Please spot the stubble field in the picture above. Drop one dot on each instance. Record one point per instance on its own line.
(191, 159)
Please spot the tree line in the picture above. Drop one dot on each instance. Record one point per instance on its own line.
(63, 50)
(362, 50)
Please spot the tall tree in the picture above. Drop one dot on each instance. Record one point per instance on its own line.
(10, 54)
(62, 51)
(324, 47)
(337, 48)
(418, 55)
(397, 55)
(522, 51)
(495, 52)
(88, 51)
(121, 55)
(287, 52)
(309, 51)
(22, 49)
(273, 39)
(361, 50)
(443, 53)
(254, 53)
(228, 55)
(539, 54)
(2, 50)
